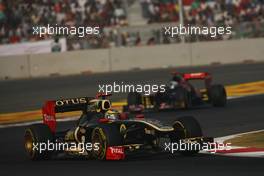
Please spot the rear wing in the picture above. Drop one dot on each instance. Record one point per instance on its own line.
(200, 75)
(207, 77)
(52, 107)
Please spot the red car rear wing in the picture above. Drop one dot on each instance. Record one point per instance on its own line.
(207, 77)
(200, 75)
(50, 109)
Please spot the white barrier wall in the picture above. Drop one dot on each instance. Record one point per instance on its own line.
(68, 63)
(233, 51)
(145, 57)
(13, 67)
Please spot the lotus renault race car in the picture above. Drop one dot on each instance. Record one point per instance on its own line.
(111, 135)
(180, 93)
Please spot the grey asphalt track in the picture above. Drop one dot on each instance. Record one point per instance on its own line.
(240, 115)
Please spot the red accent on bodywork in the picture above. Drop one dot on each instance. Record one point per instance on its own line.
(123, 116)
(140, 116)
(201, 75)
(103, 120)
(48, 114)
(103, 95)
(115, 153)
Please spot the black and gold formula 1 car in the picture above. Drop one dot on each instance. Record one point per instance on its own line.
(103, 133)
(180, 93)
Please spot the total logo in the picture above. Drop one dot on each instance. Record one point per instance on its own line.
(117, 150)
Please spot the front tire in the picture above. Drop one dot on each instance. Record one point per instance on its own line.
(106, 136)
(191, 129)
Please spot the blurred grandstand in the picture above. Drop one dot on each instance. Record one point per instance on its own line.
(128, 22)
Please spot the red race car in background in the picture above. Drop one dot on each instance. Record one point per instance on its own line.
(180, 93)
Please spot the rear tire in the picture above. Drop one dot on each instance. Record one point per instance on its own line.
(217, 95)
(37, 133)
(191, 129)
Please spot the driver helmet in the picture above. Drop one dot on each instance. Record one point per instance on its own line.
(112, 114)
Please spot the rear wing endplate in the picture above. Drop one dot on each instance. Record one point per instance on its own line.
(52, 107)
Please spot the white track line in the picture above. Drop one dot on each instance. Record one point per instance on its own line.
(222, 139)
(259, 154)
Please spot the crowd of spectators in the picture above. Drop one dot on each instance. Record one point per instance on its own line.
(17, 17)
(246, 17)
(160, 10)
(204, 12)
(224, 12)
